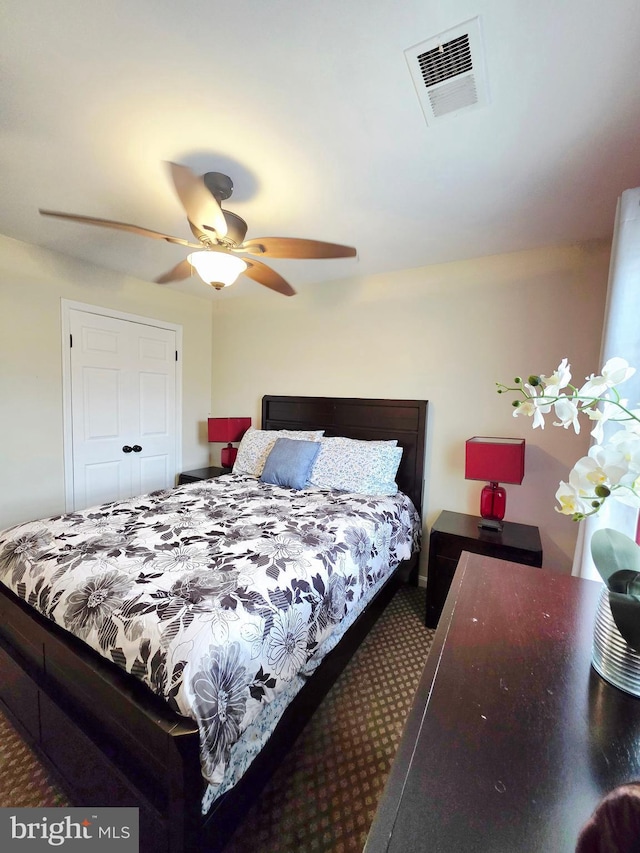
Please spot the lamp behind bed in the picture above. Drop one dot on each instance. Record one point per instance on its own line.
(229, 430)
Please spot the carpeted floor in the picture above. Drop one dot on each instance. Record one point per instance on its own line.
(324, 795)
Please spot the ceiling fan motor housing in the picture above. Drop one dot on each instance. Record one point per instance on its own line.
(236, 229)
(236, 232)
(220, 186)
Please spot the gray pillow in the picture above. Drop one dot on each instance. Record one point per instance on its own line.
(289, 463)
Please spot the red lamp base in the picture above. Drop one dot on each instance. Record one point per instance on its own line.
(228, 455)
(493, 502)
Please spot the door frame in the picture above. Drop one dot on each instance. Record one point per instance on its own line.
(68, 305)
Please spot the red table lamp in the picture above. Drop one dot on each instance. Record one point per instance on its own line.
(499, 460)
(227, 429)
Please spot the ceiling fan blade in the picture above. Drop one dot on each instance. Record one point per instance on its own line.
(179, 272)
(201, 206)
(294, 247)
(270, 278)
(122, 226)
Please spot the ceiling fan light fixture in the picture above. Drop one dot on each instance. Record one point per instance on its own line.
(221, 234)
(217, 268)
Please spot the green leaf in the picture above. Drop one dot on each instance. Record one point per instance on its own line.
(625, 610)
(625, 582)
(613, 552)
(617, 559)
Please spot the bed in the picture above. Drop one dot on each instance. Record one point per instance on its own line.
(113, 739)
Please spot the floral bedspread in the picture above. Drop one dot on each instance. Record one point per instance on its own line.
(215, 594)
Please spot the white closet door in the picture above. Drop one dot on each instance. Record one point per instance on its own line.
(153, 374)
(123, 409)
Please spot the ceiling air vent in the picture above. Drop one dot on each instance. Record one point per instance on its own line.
(448, 71)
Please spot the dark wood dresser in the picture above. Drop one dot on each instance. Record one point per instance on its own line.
(513, 738)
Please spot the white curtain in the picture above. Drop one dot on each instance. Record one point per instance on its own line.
(621, 337)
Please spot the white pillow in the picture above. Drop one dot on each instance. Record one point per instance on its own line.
(365, 467)
(256, 445)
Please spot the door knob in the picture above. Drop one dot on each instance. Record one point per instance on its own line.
(127, 449)
(136, 448)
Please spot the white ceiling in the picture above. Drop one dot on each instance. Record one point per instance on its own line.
(309, 106)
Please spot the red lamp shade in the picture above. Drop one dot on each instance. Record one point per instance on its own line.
(227, 429)
(499, 460)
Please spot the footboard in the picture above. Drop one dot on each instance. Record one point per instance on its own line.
(109, 743)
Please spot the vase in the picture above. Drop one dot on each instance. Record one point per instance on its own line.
(612, 658)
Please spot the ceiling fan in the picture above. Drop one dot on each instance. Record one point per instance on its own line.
(221, 236)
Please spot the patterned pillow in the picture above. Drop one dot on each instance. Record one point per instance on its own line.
(256, 445)
(365, 467)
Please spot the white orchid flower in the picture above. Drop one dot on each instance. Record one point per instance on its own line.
(533, 407)
(603, 466)
(615, 371)
(634, 425)
(557, 381)
(585, 476)
(628, 445)
(612, 467)
(528, 407)
(570, 501)
(609, 411)
(567, 412)
(628, 491)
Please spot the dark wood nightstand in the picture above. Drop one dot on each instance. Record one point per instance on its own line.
(202, 474)
(455, 532)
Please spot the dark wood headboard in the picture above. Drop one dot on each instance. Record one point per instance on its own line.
(371, 420)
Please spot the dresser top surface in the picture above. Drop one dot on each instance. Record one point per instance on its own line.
(513, 738)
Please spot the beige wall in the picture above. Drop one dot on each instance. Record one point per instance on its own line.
(444, 333)
(32, 283)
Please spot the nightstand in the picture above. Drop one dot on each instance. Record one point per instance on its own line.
(202, 474)
(455, 532)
